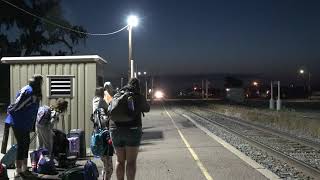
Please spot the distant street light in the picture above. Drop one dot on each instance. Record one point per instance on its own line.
(302, 72)
(132, 22)
(146, 82)
(255, 83)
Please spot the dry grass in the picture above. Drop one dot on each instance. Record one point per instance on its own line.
(303, 124)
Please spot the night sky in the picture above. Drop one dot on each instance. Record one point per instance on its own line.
(269, 37)
(272, 37)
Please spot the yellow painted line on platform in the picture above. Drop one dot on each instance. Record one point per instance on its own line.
(194, 155)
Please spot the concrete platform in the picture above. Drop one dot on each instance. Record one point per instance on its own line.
(165, 155)
(174, 148)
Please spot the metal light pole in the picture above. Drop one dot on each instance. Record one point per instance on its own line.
(130, 70)
(132, 22)
(301, 71)
(271, 102)
(145, 79)
(279, 96)
(309, 87)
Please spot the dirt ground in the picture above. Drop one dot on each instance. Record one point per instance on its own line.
(301, 119)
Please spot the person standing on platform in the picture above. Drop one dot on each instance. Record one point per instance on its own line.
(126, 136)
(21, 117)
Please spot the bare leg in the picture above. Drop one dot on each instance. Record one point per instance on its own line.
(19, 166)
(121, 159)
(107, 167)
(25, 165)
(131, 154)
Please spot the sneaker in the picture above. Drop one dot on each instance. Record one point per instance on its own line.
(28, 175)
(17, 177)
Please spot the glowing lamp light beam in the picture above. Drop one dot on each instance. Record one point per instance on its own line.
(159, 94)
(133, 21)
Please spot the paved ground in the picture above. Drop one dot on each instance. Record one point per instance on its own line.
(176, 149)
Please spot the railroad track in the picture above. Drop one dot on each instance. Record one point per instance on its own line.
(299, 153)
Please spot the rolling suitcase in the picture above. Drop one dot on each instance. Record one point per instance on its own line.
(81, 135)
(74, 146)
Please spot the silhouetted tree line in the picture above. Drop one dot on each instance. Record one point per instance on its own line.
(23, 34)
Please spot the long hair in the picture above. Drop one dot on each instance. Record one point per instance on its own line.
(36, 83)
(60, 105)
(108, 87)
(99, 92)
(134, 83)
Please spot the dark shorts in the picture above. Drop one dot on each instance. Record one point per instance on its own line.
(122, 137)
(23, 141)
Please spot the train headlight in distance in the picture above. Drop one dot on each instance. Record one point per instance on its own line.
(158, 94)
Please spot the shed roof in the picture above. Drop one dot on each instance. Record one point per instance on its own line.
(53, 59)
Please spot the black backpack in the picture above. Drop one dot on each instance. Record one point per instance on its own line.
(76, 173)
(121, 108)
(60, 143)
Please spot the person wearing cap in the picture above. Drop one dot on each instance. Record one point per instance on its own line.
(21, 116)
(47, 117)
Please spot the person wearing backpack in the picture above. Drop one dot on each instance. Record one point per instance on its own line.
(21, 117)
(126, 127)
(47, 117)
(102, 123)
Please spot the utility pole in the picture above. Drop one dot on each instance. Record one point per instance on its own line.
(130, 70)
(309, 86)
(271, 102)
(146, 89)
(202, 88)
(279, 101)
(151, 96)
(207, 87)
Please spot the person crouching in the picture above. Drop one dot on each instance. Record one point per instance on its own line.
(47, 117)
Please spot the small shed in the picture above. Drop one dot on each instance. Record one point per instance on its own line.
(73, 78)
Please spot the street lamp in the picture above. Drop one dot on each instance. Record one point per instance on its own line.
(132, 22)
(146, 82)
(302, 72)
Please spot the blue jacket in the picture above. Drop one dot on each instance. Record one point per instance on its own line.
(23, 112)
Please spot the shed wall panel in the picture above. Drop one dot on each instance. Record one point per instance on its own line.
(45, 71)
(90, 83)
(52, 71)
(81, 96)
(30, 70)
(37, 69)
(67, 117)
(74, 100)
(24, 73)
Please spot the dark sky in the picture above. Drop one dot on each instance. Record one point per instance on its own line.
(273, 37)
(270, 37)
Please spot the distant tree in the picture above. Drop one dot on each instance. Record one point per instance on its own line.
(232, 82)
(21, 32)
(33, 35)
